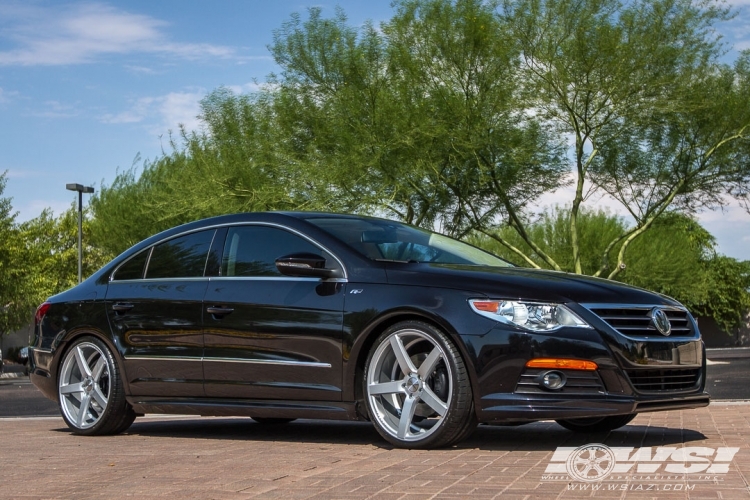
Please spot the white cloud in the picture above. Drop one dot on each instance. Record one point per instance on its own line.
(56, 109)
(81, 33)
(162, 113)
(181, 108)
(245, 88)
(6, 95)
(140, 70)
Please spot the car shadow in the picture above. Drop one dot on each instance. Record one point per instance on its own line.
(538, 436)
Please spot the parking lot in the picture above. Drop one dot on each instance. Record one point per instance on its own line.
(237, 458)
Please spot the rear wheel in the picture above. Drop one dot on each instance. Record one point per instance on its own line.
(596, 424)
(417, 389)
(90, 391)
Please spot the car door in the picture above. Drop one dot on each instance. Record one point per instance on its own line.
(154, 304)
(269, 336)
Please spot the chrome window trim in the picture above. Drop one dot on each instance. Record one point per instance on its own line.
(234, 224)
(272, 278)
(157, 280)
(145, 265)
(316, 364)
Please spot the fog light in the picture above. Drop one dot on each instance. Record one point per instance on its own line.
(553, 380)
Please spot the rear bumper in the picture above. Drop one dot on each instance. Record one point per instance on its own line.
(40, 368)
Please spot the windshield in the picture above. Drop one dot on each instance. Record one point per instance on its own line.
(389, 240)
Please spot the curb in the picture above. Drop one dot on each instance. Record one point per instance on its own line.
(728, 353)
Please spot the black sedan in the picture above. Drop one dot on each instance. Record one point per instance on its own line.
(278, 316)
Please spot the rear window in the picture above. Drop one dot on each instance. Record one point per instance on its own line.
(183, 257)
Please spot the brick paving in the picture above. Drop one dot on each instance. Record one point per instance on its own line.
(228, 458)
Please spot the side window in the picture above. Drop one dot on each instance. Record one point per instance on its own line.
(253, 250)
(133, 268)
(183, 257)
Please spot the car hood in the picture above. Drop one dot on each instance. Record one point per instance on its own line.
(522, 283)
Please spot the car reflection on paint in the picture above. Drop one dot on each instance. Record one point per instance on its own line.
(279, 316)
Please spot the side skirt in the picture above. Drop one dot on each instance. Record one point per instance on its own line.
(210, 407)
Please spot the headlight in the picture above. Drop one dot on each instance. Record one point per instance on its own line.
(534, 316)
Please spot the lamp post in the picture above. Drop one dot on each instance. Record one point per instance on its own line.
(81, 189)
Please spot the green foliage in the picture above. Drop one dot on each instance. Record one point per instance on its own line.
(552, 231)
(13, 288)
(51, 248)
(676, 258)
(728, 287)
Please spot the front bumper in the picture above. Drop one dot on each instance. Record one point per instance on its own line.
(508, 408)
(633, 375)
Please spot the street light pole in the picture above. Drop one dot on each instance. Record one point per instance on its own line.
(81, 189)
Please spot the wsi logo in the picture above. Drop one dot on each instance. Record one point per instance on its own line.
(595, 462)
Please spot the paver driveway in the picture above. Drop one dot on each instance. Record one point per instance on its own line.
(236, 458)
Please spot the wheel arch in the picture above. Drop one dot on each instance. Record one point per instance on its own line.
(366, 339)
(88, 331)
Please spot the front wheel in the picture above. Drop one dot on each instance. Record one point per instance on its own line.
(417, 389)
(90, 391)
(596, 424)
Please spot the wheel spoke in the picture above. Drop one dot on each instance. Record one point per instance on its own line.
(83, 366)
(402, 356)
(83, 410)
(71, 388)
(431, 399)
(428, 365)
(98, 369)
(99, 397)
(407, 414)
(386, 388)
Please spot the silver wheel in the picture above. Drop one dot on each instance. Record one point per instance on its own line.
(84, 385)
(409, 385)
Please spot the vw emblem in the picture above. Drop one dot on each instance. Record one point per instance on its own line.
(661, 321)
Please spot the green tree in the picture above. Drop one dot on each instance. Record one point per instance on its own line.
(676, 257)
(458, 115)
(14, 288)
(656, 121)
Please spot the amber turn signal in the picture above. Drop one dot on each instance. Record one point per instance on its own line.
(562, 364)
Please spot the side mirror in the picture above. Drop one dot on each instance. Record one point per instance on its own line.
(304, 264)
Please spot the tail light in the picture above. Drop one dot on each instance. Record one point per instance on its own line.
(40, 312)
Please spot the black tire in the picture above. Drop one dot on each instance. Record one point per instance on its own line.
(596, 424)
(100, 384)
(273, 421)
(436, 394)
(469, 427)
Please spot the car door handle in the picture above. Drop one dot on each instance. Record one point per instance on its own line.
(219, 311)
(122, 306)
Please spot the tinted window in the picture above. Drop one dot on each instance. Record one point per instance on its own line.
(253, 250)
(133, 268)
(183, 257)
(381, 239)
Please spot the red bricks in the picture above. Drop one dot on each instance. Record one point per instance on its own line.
(237, 458)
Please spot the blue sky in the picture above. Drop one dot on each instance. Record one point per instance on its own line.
(85, 87)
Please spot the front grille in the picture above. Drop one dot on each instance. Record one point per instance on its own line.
(663, 380)
(636, 321)
(578, 382)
